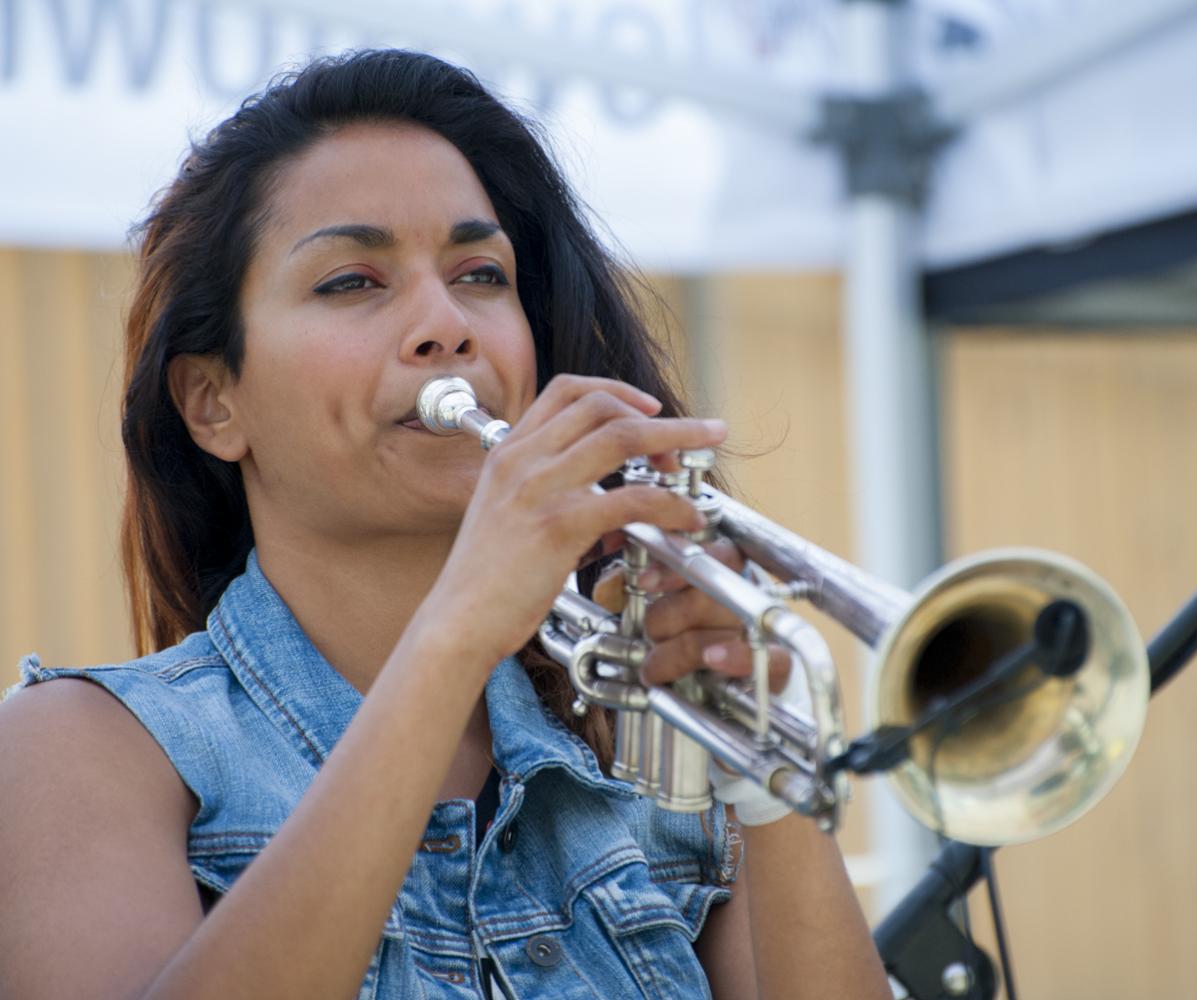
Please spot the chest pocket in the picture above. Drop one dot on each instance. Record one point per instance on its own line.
(218, 859)
(626, 936)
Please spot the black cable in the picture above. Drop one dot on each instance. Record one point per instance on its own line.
(951, 725)
(914, 938)
(999, 923)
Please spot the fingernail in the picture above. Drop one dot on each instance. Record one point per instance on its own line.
(712, 656)
(715, 426)
(650, 579)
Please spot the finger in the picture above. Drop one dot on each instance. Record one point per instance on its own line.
(681, 655)
(581, 416)
(595, 514)
(607, 447)
(661, 580)
(672, 614)
(667, 462)
(733, 658)
(564, 390)
(537, 459)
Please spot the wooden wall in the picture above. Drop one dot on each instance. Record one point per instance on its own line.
(1088, 445)
(1095, 430)
(1085, 443)
(60, 458)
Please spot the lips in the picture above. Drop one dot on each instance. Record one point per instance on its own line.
(411, 419)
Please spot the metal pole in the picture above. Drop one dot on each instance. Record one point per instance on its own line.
(890, 390)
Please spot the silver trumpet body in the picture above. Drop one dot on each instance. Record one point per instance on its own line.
(1044, 755)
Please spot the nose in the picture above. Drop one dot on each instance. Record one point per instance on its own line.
(435, 327)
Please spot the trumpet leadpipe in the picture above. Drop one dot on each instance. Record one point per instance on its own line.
(864, 605)
(664, 749)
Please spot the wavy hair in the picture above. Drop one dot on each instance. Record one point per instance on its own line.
(186, 531)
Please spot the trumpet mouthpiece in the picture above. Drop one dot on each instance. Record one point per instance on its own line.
(442, 401)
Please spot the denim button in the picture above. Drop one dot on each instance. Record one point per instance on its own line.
(508, 837)
(544, 950)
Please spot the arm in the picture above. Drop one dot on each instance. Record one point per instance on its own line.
(809, 936)
(793, 927)
(87, 857)
(98, 898)
(305, 917)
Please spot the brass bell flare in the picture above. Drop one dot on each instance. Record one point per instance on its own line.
(1042, 750)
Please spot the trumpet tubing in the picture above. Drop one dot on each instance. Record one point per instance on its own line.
(1032, 757)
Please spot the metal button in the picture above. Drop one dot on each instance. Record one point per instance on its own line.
(544, 950)
(509, 836)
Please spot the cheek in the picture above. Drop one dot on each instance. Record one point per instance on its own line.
(294, 380)
(520, 359)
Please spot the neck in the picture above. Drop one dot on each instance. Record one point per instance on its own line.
(353, 599)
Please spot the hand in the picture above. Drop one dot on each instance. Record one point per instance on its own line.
(690, 630)
(534, 515)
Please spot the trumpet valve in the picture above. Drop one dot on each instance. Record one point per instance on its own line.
(696, 462)
(626, 765)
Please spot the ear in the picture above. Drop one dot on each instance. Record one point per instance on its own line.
(200, 386)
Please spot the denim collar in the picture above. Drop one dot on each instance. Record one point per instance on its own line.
(279, 668)
(311, 703)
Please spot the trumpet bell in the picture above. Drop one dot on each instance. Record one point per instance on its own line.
(1039, 750)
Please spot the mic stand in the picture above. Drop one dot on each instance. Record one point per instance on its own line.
(920, 945)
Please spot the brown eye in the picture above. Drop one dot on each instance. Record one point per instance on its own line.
(345, 283)
(489, 274)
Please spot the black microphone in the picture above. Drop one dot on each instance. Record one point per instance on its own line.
(1062, 634)
(1059, 647)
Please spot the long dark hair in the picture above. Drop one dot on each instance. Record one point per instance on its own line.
(186, 530)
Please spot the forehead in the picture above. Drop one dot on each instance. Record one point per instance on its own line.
(403, 176)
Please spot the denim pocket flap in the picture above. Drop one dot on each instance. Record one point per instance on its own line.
(627, 901)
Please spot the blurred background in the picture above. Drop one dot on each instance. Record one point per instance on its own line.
(934, 260)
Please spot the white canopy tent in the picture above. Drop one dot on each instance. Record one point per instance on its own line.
(701, 133)
(1068, 114)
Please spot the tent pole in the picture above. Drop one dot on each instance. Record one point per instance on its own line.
(890, 388)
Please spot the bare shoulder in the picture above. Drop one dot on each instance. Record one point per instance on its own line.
(73, 733)
(93, 833)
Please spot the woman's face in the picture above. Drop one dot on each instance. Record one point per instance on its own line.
(381, 264)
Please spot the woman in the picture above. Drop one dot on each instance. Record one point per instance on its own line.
(328, 590)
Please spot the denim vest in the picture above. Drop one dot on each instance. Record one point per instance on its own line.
(579, 888)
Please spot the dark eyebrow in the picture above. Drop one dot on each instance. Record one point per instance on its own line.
(473, 231)
(375, 237)
(371, 237)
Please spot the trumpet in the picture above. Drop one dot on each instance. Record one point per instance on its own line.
(1031, 756)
